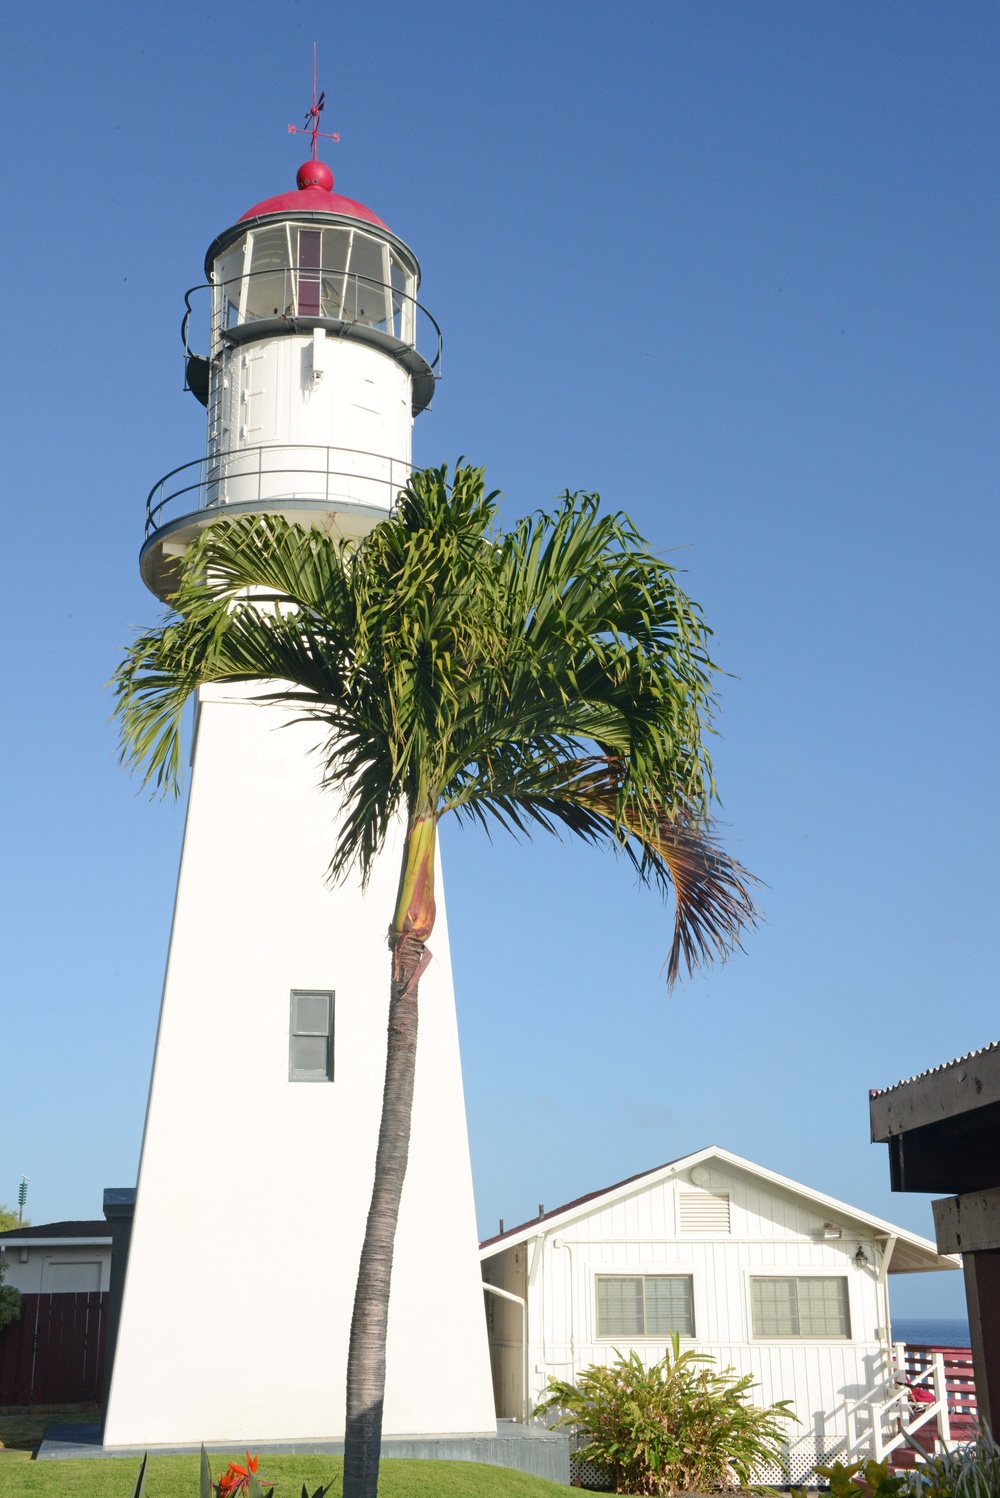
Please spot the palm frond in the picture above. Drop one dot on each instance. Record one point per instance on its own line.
(554, 677)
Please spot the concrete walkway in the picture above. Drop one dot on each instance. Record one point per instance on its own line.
(525, 1448)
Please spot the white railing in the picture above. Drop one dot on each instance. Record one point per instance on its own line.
(889, 1416)
(272, 473)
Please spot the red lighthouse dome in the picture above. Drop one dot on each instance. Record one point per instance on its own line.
(314, 195)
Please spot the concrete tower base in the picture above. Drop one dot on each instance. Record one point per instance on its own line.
(521, 1448)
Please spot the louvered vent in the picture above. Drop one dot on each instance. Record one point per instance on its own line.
(704, 1211)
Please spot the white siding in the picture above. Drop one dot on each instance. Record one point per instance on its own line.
(76, 1267)
(770, 1233)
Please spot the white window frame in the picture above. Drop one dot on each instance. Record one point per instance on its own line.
(798, 1272)
(327, 993)
(641, 1271)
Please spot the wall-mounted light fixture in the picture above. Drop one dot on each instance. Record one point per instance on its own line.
(829, 1231)
(860, 1258)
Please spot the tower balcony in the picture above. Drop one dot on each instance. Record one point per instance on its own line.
(338, 488)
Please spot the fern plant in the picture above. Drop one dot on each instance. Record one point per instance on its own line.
(680, 1426)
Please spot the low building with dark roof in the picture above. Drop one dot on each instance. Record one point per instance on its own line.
(58, 1257)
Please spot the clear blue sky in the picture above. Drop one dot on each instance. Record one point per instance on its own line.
(731, 264)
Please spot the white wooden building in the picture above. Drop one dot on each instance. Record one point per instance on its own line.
(766, 1275)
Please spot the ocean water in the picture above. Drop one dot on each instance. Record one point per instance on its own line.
(945, 1333)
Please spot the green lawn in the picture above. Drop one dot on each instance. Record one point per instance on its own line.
(177, 1477)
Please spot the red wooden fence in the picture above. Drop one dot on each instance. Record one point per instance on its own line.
(55, 1353)
(960, 1381)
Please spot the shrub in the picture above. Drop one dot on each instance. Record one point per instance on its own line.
(862, 1480)
(673, 1428)
(10, 1299)
(970, 1471)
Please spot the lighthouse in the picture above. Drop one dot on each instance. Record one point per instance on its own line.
(259, 1144)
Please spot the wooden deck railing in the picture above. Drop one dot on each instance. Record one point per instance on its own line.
(925, 1403)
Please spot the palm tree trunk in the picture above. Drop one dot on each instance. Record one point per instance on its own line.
(412, 925)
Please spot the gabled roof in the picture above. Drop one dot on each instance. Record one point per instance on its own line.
(911, 1253)
(49, 1232)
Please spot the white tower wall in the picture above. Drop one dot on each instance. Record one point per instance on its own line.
(337, 415)
(253, 1190)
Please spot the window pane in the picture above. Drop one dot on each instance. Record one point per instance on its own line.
(310, 1036)
(823, 1308)
(775, 1312)
(335, 242)
(226, 273)
(335, 246)
(310, 257)
(309, 1055)
(668, 1305)
(619, 1307)
(365, 298)
(312, 1014)
(269, 294)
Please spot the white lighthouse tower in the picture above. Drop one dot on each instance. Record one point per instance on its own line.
(259, 1145)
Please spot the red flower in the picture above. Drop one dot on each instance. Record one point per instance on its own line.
(236, 1479)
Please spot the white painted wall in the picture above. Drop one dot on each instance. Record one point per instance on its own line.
(253, 1190)
(640, 1233)
(58, 1269)
(302, 393)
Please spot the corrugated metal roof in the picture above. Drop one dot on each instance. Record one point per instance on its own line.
(931, 1070)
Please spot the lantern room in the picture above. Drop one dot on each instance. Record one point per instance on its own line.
(337, 272)
(318, 358)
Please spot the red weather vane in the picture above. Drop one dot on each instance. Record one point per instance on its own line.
(311, 126)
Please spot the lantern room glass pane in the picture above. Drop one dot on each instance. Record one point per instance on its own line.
(310, 262)
(228, 272)
(365, 299)
(402, 299)
(336, 247)
(269, 293)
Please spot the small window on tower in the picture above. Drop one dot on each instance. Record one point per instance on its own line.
(310, 1036)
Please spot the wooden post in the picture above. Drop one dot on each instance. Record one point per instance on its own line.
(982, 1291)
(941, 1395)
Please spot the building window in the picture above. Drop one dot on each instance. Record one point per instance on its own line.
(310, 1036)
(809, 1307)
(644, 1305)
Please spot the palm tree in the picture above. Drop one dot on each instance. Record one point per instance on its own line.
(553, 676)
